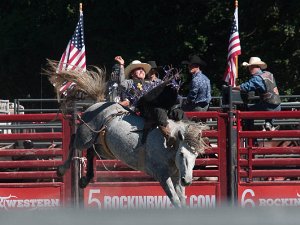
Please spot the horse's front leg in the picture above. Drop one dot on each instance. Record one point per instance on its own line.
(168, 187)
(180, 190)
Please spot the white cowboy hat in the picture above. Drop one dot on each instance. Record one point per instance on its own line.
(136, 64)
(255, 61)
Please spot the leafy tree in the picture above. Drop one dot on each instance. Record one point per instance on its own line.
(165, 31)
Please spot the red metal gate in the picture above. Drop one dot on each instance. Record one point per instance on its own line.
(267, 174)
(117, 186)
(269, 161)
(32, 146)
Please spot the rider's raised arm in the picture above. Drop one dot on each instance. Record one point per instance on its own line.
(121, 61)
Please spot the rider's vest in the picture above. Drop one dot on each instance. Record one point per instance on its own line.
(271, 95)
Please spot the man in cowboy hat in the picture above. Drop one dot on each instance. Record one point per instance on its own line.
(151, 107)
(199, 94)
(263, 84)
(132, 81)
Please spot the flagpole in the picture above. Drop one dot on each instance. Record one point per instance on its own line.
(237, 57)
(77, 192)
(232, 153)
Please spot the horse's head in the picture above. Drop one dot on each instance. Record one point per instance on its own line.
(190, 145)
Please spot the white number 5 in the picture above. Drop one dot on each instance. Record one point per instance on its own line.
(96, 200)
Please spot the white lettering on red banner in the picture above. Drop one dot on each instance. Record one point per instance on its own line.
(250, 198)
(116, 202)
(95, 199)
(12, 201)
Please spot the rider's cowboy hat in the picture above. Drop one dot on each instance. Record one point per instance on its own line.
(134, 65)
(194, 59)
(255, 61)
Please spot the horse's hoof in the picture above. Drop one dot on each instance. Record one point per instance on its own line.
(60, 171)
(83, 182)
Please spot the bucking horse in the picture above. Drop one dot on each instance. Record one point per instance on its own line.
(119, 131)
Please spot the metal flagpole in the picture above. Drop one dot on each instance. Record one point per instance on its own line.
(232, 148)
(237, 57)
(77, 192)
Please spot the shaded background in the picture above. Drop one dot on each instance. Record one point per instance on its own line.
(165, 31)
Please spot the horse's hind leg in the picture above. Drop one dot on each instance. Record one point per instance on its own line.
(61, 170)
(84, 181)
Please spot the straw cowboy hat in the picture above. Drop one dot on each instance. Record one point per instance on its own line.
(255, 61)
(194, 59)
(134, 65)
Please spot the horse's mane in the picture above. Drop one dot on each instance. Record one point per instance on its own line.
(91, 82)
(193, 136)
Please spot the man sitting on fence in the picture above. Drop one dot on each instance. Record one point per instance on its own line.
(263, 84)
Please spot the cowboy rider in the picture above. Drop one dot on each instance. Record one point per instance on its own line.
(154, 106)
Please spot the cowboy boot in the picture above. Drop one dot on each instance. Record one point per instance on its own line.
(166, 132)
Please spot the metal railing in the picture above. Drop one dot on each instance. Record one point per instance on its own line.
(289, 102)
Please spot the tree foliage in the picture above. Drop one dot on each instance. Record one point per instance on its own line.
(165, 31)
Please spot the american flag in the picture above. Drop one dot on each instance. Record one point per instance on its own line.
(234, 49)
(74, 55)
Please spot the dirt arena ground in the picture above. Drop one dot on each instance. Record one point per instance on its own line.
(216, 216)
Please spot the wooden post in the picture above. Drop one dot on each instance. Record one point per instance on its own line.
(80, 7)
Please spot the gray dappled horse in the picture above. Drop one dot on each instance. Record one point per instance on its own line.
(172, 167)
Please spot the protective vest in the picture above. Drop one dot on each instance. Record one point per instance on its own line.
(271, 95)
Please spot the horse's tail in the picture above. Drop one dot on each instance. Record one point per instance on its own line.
(91, 82)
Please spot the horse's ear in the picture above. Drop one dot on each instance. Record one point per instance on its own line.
(180, 136)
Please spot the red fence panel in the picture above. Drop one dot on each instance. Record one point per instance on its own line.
(31, 148)
(268, 166)
(269, 161)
